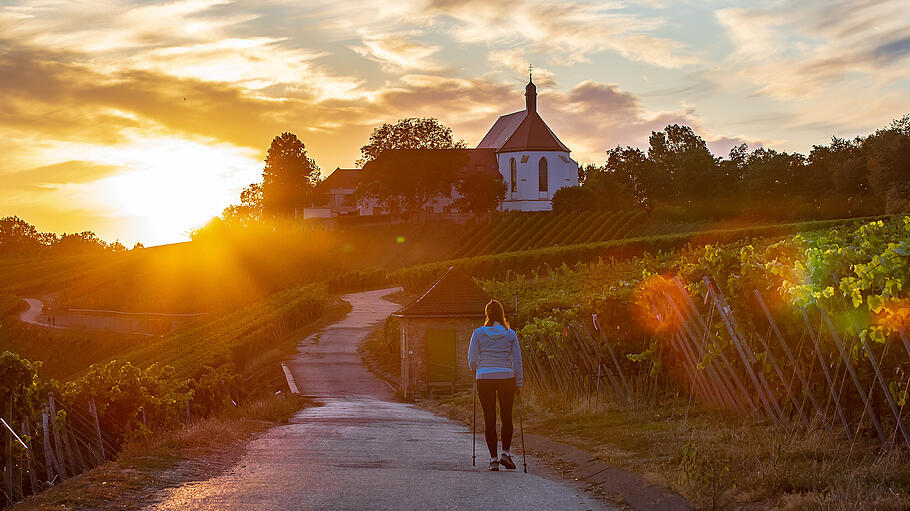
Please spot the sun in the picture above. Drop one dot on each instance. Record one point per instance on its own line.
(170, 186)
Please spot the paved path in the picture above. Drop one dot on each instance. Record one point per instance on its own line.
(34, 310)
(362, 449)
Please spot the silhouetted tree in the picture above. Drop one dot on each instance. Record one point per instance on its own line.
(18, 236)
(480, 192)
(409, 179)
(688, 169)
(410, 133)
(79, 243)
(288, 178)
(249, 210)
(600, 189)
(632, 166)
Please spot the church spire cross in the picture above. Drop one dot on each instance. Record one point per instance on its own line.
(531, 92)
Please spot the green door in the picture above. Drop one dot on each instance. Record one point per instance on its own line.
(440, 356)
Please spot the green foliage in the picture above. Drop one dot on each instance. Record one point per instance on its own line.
(480, 192)
(857, 271)
(527, 261)
(864, 176)
(409, 133)
(18, 381)
(10, 305)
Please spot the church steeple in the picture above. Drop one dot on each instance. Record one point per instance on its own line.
(531, 93)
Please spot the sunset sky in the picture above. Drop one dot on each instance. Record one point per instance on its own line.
(140, 120)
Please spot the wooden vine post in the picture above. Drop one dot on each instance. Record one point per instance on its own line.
(50, 460)
(881, 380)
(807, 391)
(772, 408)
(859, 387)
(8, 470)
(58, 443)
(32, 477)
(93, 408)
(831, 385)
(737, 382)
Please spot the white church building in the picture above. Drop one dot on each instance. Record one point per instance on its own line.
(532, 160)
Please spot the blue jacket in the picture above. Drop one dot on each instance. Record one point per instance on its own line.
(494, 353)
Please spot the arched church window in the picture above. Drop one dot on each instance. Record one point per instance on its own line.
(542, 175)
(513, 176)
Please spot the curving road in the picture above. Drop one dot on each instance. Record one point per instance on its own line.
(362, 449)
(34, 310)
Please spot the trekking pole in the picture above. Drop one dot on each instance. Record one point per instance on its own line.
(521, 428)
(474, 425)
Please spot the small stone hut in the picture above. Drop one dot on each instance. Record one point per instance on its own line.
(436, 329)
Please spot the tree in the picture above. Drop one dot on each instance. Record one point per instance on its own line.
(410, 133)
(632, 166)
(409, 179)
(80, 243)
(601, 190)
(574, 198)
(249, 210)
(19, 236)
(480, 192)
(288, 178)
(689, 167)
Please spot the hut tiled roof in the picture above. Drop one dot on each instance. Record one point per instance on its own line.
(454, 295)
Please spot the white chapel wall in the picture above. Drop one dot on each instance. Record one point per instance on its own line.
(560, 174)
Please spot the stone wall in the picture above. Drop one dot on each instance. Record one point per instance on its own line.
(414, 350)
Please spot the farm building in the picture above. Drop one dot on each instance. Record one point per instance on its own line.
(436, 329)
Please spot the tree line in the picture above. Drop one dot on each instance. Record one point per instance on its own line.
(18, 237)
(679, 176)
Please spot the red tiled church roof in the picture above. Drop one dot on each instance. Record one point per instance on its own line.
(454, 295)
(533, 135)
(522, 131)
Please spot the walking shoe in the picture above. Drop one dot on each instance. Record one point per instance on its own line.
(494, 466)
(506, 461)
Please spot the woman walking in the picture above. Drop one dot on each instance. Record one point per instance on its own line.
(495, 356)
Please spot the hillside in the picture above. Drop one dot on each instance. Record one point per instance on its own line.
(512, 232)
(226, 269)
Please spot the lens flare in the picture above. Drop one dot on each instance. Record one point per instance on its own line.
(651, 307)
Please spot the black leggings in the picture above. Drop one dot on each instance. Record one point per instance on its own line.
(487, 391)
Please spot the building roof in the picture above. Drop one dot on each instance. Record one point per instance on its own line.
(522, 131)
(533, 135)
(341, 178)
(502, 129)
(454, 295)
(462, 161)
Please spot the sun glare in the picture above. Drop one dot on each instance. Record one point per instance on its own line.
(170, 186)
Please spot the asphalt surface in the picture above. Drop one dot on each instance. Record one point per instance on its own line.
(364, 450)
